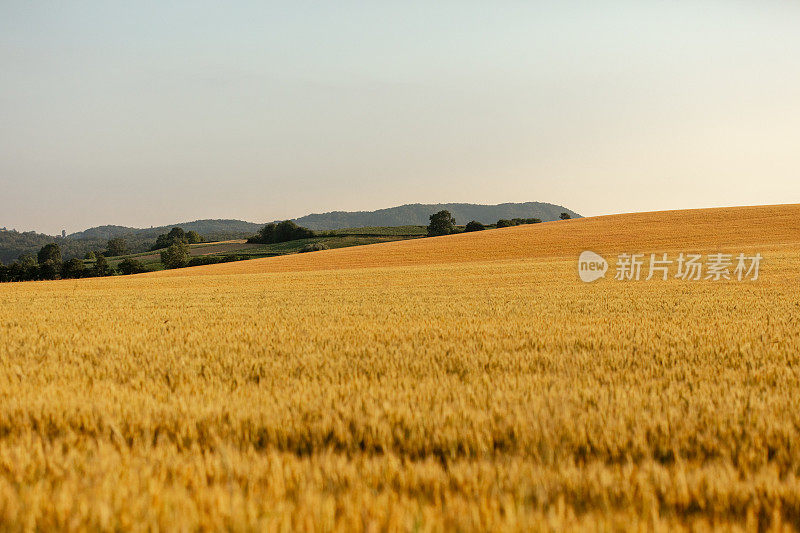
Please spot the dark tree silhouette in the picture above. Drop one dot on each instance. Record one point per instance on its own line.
(474, 225)
(281, 232)
(131, 266)
(50, 252)
(74, 268)
(442, 223)
(101, 266)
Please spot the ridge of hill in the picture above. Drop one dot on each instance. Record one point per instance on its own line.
(417, 215)
(216, 229)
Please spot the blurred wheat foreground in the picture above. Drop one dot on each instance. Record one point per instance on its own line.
(464, 382)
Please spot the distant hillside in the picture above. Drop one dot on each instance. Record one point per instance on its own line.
(211, 229)
(417, 214)
(13, 244)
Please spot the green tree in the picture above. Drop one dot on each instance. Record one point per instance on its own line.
(266, 235)
(285, 231)
(50, 270)
(442, 223)
(165, 240)
(474, 225)
(177, 234)
(564, 216)
(23, 269)
(281, 232)
(176, 255)
(192, 237)
(503, 223)
(131, 266)
(27, 261)
(289, 231)
(101, 266)
(90, 256)
(50, 252)
(49, 259)
(74, 268)
(117, 246)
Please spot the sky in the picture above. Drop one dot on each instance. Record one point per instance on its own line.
(150, 113)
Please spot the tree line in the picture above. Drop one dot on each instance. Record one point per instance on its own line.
(48, 263)
(173, 248)
(443, 223)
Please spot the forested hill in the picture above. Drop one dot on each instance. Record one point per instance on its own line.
(417, 214)
(211, 229)
(13, 243)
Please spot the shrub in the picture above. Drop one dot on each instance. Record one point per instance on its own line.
(281, 232)
(214, 259)
(314, 247)
(520, 221)
(205, 260)
(474, 225)
(131, 266)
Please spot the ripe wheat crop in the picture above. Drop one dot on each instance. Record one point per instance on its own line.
(467, 382)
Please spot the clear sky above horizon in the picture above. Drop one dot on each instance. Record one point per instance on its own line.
(150, 113)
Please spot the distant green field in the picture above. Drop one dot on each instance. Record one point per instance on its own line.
(239, 251)
(391, 231)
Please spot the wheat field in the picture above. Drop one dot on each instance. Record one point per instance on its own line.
(468, 382)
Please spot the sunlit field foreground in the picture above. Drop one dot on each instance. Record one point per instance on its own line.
(466, 382)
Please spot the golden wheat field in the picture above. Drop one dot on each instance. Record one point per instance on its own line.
(468, 382)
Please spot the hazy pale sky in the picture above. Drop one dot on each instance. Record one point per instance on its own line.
(148, 113)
